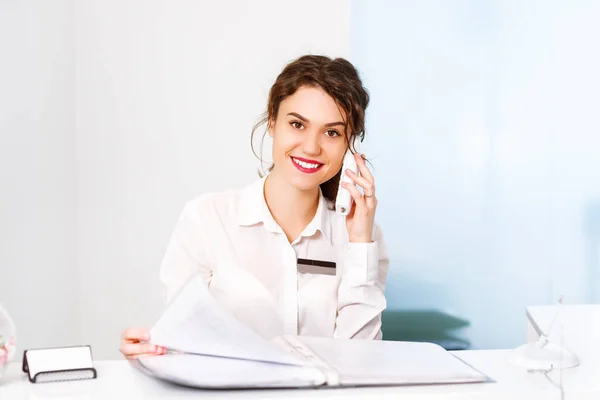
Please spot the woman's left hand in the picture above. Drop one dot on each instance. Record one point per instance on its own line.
(361, 218)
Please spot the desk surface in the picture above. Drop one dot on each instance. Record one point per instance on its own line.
(580, 326)
(117, 379)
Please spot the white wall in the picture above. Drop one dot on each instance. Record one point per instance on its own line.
(167, 93)
(113, 114)
(37, 177)
(485, 119)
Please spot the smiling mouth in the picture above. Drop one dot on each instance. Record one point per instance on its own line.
(306, 167)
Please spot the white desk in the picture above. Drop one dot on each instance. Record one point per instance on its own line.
(118, 380)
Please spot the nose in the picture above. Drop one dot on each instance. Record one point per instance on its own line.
(311, 146)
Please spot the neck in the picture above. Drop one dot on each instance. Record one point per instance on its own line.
(291, 208)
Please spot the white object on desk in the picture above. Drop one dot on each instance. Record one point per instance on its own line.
(209, 348)
(544, 354)
(336, 362)
(59, 364)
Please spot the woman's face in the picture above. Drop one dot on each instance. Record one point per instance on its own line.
(308, 138)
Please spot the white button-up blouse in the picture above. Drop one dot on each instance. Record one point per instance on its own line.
(231, 240)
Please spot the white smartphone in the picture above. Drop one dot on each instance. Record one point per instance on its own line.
(343, 201)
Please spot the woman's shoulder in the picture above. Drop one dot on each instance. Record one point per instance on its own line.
(213, 201)
(221, 203)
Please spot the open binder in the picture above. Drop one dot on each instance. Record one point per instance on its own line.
(209, 348)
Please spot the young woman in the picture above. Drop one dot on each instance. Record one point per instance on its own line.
(251, 245)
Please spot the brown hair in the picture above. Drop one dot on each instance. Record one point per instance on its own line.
(340, 80)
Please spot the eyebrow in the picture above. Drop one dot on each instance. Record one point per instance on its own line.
(300, 117)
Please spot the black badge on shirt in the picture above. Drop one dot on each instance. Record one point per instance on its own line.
(319, 267)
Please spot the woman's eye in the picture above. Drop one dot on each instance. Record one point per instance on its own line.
(332, 133)
(296, 124)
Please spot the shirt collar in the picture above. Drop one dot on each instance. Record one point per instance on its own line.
(253, 209)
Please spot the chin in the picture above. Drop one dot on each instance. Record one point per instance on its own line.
(304, 184)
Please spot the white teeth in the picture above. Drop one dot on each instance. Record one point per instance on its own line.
(305, 165)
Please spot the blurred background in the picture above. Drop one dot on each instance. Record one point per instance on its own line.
(483, 132)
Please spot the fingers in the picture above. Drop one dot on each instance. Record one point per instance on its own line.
(131, 350)
(365, 179)
(358, 198)
(135, 343)
(368, 186)
(362, 167)
(136, 334)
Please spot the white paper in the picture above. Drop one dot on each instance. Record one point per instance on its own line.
(220, 352)
(195, 323)
(380, 362)
(226, 373)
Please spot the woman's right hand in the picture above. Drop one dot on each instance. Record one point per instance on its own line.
(135, 342)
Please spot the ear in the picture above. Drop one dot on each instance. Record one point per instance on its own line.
(271, 127)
